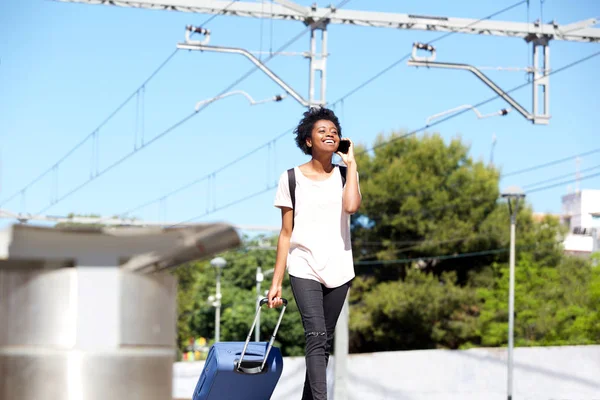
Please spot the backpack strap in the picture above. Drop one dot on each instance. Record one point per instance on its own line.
(343, 171)
(292, 185)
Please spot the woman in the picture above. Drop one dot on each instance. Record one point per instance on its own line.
(314, 242)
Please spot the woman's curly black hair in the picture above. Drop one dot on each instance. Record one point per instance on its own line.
(304, 129)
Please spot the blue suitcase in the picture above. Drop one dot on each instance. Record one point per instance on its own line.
(225, 377)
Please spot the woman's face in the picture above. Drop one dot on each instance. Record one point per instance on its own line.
(324, 137)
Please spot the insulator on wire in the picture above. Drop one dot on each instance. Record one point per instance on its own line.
(197, 29)
(424, 46)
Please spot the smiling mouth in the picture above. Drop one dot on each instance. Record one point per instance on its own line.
(329, 141)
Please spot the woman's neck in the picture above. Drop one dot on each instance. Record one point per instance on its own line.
(322, 163)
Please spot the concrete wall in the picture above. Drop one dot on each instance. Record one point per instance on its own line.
(541, 373)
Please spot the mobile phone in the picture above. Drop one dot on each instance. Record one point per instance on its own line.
(344, 146)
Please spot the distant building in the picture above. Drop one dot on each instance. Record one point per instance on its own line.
(539, 217)
(581, 213)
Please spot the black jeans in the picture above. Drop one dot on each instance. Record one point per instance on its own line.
(320, 308)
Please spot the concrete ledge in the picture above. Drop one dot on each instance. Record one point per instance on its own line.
(541, 373)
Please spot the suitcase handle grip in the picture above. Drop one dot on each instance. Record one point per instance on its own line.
(264, 301)
(257, 370)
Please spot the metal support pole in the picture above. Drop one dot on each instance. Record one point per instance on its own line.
(318, 62)
(513, 194)
(511, 302)
(340, 386)
(311, 71)
(541, 81)
(484, 78)
(218, 263)
(259, 279)
(323, 63)
(218, 308)
(254, 60)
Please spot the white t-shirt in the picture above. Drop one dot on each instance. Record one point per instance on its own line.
(320, 247)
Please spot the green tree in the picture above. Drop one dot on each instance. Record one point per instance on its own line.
(423, 197)
(193, 320)
(554, 304)
(419, 312)
(429, 209)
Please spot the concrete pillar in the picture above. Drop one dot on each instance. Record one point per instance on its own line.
(89, 313)
(86, 333)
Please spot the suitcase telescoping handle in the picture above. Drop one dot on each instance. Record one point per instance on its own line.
(257, 370)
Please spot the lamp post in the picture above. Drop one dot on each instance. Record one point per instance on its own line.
(501, 113)
(218, 263)
(260, 276)
(514, 195)
(253, 102)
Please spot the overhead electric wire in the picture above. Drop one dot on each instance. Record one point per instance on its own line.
(203, 24)
(423, 243)
(405, 57)
(385, 143)
(539, 166)
(204, 177)
(563, 183)
(105, 121)
(559, 177)
(189, 184)
(432, 258)
(116, 163)
(87, 137)
(197, 111)
(439, 121)
(417, 244)
(551, 163)
(232, 203)
(443, 257)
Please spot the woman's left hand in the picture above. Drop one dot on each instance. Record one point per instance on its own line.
(347, 158)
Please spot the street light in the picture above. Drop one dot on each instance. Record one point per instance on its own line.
(514, 195)
(218, 263)
(253, 102)
(502, 112)
(259, 278)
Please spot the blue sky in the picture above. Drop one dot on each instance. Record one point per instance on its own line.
(66, 67)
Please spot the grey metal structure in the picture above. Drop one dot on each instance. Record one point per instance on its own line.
(89, 313)
(190, 44)
(242, 93)
(287, 10)
(536, 33)
(540, 80)
(502, 112)
(218, 263)
(318, 61)
(514, 195)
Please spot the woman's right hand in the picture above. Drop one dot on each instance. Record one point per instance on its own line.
(274, 296)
